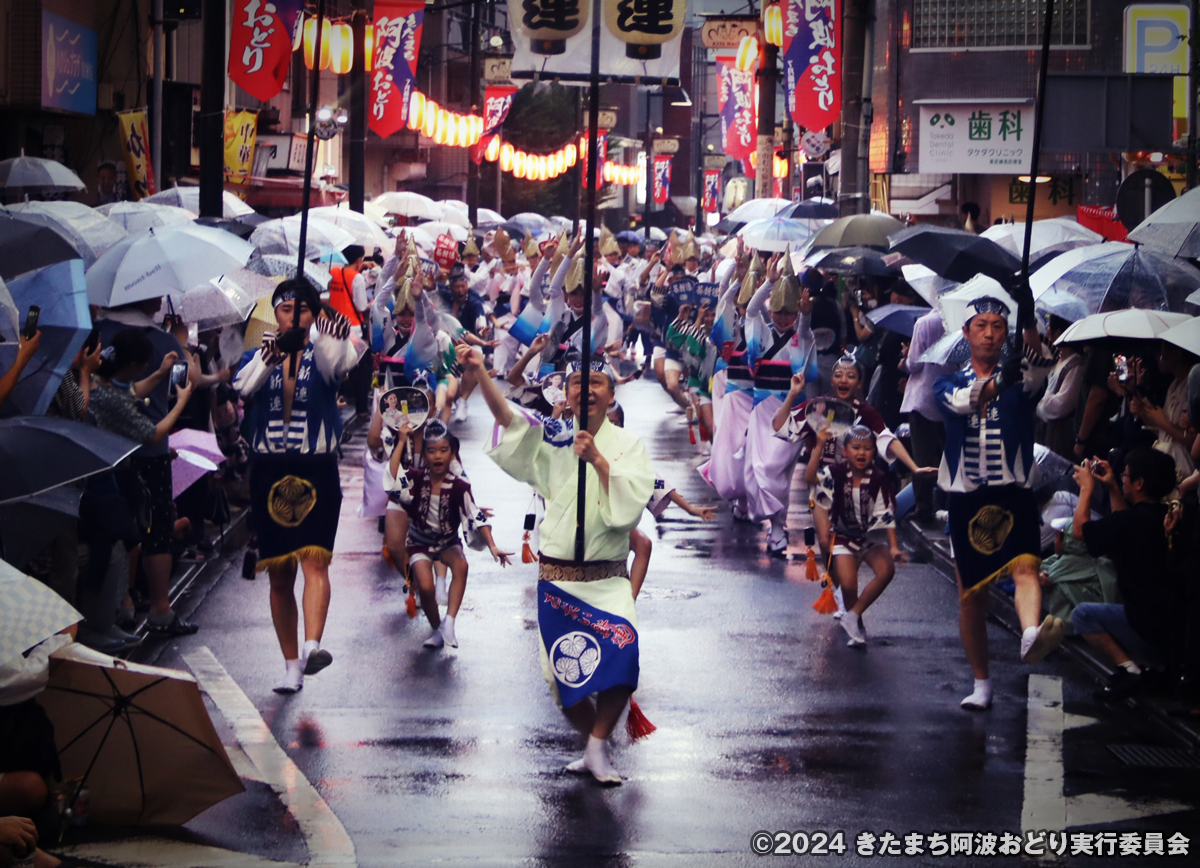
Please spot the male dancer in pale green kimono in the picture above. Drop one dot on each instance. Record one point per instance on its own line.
(586, 615)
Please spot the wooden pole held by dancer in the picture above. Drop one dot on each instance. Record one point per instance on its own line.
(1024, 295)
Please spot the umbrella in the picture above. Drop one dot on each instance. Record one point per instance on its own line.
(285, 266)
(222, 301)
(410, 205)
(629, 237)
(897, 317)
(43, 452)
(139, 216)
(456, 204)
(516, 231)
(365, 231)
(857, 230)
(65, 322)
(282, 237)
(30, 612)
(952, 348)
(242, 227)
(36, 173)
(1131, 323)
(1194, 298)
(811, 209)
(757, 209)
(1054, 233)
(25, 246)
(454, 217)
(261, 321)
(927, 283)
(440, 227)
(1060, 303)
(1113, 275)
(489, 218)
(419, 236)
(861, 261)
(774, 234)
(28, 524)
(10, 316)
(954, 253)
(558, 225)
(139, 736)
(89, 231)
(1186, 335)
(1174, 228)
(534, 224)
(160, 261)
(188, 468)
(189, 198)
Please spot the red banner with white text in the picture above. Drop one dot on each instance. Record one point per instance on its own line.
(261, 35)
(661, 188)
(735, 104)
(398, 26)
(712, 190)
(812, 61)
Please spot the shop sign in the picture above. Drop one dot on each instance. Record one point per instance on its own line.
(976, 138)
(68, 65)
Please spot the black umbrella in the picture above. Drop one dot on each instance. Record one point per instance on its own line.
(728, 227)
(956, 254)
(860, 261)
(43, 452)
(29, 524)
(25, 246)
(242, 227)
(811, 209)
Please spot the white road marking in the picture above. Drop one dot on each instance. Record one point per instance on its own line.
(1045, 807)
(326, 837)
(164, 853)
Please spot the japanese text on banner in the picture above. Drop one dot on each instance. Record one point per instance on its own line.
(712, 190)
(398, 28)
(735, 104)
(497, 100)
(241, 134)
(261, 35)
(662, 179)
(812, 61)
(135, 145)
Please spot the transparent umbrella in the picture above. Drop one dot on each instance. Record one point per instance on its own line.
(1133, 323)
(189, 198)
(757, 209)
(222, 301)
(281, 267)
(774, 233)
(486, 216)
(927, 283)
(1054, 233)
(282, 237)
(1174, 228)
(137, 216)
(36, 173)
(439, 227)
(455, 217)
(365, 231)
(411, 205)
(90, 232)
(954, 307)
(1114, 275)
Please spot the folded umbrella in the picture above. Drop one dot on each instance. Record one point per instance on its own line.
(30, 612)
(140, 216)
(65, 323)
(43, 452)
(89, 231)
(138, 736)
(37, 173)
(956, 254)
(899, 318)
(1133, 323)
(25, 246)
(27, 525)
(161, 261)
(189, 198)
(857, 230)
(1113, 275)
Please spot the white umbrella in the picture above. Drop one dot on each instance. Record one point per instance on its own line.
(454, 217)
(420, 237)
(278, 268)
(1054, 233)
(1186, 335)
(282, 237)
(487, 215)
(954, 308)
(222, 301)
(29, 612)
(366, 231)
(1133, 323)
(757, 209)
(139, 216)
(456, 204)
(774, 233)
(161, 261)
(440, 227)
(36, 173)
(1194, 298)
(411, 205)
(89, 231)
(189, 198)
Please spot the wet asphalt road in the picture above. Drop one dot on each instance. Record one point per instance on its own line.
(766, 720)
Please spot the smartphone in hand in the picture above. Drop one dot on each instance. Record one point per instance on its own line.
(179, 374)
(31, 321)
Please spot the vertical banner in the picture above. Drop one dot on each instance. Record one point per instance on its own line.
(601, 157)
(735, 104)
(135, 145)
(712, 190)
(497, 100)
(812, 61)
(241, 133)
(261, 36)
(661, 188)
(398, 27)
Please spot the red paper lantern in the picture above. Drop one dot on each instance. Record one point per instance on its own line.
(310, 40)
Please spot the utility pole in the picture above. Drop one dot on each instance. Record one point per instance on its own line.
(212, 111)
(358, 108)
(649, 150)
(854, 34)
(767, 77)
(476, 106)
(156, 105)
(1193, 35)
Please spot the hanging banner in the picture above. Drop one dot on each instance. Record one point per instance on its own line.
(261, 36)
(812, 61)
(735, 104)
(398, 27)
(601, 158)
(135, 145)
(712, 190)
(553, 39)
(241, 133)
(661, 188)
(497, 100)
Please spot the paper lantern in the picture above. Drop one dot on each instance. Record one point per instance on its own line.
(429, 118)
(560, 162)
(452, 129)
(548, 24)
(310, 42)
(416, 110)
(518, 164)
(644, 27)
(439, 127)
(492, 152)
(773, 24)
(341, 48)
(506, 157)
(369, 46)
(747, 54)
(466, 131)
(572, 155)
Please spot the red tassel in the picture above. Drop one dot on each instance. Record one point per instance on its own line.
(810, 564)
(637, 725)
(387, 558)
(527, 555)
(705, 434)
(691, 434)
(826, 604)
(410, 605)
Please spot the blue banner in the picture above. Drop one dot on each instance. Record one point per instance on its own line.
(590, 650)
(68, 65)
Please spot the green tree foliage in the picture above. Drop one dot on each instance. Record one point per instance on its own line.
(541, 121)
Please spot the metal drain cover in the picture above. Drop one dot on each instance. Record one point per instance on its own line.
(1155, 757)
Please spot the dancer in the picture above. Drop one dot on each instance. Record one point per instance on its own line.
(295, 488)
(854, 497)
(586, 613)
(438, 502)
(987, 472)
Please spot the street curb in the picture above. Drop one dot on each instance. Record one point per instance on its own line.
(1074, 648)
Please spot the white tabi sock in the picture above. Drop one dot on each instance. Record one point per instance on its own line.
(981, 698)
(595, 757)
(293, 678)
